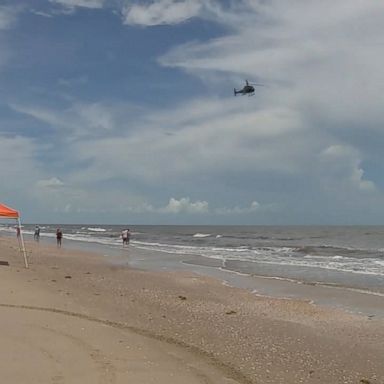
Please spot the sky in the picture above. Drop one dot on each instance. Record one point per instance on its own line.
(122, 111)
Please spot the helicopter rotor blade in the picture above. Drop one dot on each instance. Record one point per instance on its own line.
(247, 82)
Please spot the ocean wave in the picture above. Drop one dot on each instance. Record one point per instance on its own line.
(327, 257)
(283, 256)
(96, 229)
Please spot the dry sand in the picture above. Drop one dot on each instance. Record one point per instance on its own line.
(73, 317)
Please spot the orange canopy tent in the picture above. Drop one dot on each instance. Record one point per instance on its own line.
(10, 213)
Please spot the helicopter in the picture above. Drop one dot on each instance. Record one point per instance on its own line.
(248, 89)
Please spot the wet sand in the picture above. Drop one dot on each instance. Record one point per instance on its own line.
(74, 317)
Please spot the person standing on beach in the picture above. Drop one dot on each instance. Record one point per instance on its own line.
(125, 235)
(36, 235)
(59, 236)
(18, 231)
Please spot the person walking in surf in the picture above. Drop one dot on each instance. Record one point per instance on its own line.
(59, 236)
(125, 235)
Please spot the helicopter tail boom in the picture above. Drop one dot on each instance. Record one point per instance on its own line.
(236, 92)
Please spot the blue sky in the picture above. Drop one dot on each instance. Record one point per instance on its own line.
(122, 111)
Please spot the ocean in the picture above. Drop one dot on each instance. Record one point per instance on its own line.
(348, 256)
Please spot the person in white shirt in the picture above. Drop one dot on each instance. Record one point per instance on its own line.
(125, 235)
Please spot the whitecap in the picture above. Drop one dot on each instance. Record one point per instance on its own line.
(97, 229)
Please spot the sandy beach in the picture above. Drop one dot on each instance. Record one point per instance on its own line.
(74, 317)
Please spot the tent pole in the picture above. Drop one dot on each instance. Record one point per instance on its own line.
(21, 244)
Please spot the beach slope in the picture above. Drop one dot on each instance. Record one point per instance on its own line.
(74, 317)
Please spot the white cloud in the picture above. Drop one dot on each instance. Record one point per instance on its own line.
(211, 139)
(39, 113)
(53, 182)
(95, 116)
(236, 210)
(41, 13)
(80, 3)
(341, 169)
(206, 138)
(18, 167)
(185, 205)
(8, 16)
(55, 195)
(78, 120)
(161, 12)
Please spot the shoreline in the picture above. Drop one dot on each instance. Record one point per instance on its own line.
(348, 298)
(351, 299)
(245, 337)
(352, 276)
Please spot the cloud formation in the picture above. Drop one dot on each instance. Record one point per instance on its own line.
(79, 3)
(161, 12)
(342, 169)
(319, 63)
(53, 182)
(8, 16)
(308, 143)
(236, 210)
(185, 205)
